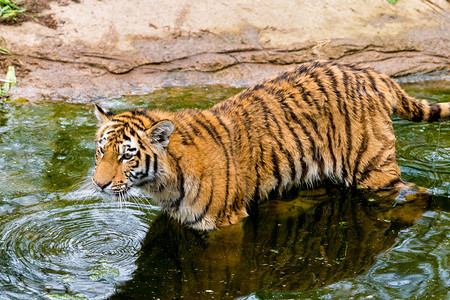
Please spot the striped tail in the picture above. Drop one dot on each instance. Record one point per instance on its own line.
(417, 110)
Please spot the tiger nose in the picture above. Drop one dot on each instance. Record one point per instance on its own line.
(102, 185)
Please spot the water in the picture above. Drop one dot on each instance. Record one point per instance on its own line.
(60, 242)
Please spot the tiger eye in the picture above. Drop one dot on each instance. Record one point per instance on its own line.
(127, 156)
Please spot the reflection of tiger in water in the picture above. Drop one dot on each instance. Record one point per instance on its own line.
(319, 121)
(299, 242)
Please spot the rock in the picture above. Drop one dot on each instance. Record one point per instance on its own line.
(108, 48)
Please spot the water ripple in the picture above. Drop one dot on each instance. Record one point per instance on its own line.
(77, 247)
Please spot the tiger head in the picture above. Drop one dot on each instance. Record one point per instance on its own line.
(130, 150)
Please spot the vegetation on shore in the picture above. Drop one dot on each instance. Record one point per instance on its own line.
(7, 84)
(9, 9)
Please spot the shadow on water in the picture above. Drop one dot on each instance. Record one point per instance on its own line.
(302, 241)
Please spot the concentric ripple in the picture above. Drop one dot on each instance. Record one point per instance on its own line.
(73, 249)
(424, 154)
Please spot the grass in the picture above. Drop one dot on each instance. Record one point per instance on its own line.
(3, 50)
(9, 9)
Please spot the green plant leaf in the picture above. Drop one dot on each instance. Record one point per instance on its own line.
(6, 51)
(10, 81)
(9, 9)
(11, 76)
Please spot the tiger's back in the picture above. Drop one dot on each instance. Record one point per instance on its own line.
(318, 121)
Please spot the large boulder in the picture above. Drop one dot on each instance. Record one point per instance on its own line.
(112, 47)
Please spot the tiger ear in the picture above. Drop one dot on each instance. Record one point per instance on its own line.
(159, 133)
(103, 115)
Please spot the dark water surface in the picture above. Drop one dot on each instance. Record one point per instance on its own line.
(58, 241)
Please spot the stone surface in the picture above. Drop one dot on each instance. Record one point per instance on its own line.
(112, 47)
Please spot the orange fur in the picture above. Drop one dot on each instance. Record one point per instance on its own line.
(319, 121)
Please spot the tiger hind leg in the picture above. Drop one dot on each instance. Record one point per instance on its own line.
(387, 176)
(387, 185)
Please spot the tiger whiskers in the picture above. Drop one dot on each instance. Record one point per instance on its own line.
(119, 196)
(84, 189)
(136, 200)
(140, 199)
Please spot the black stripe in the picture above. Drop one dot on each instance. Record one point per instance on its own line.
(126, 121)
(393, 89)
(314, 151)
(138, 120)
(350, 92)
(117, 125)
(360, 89)
(344, 169)
(215, 136)
(286, 153)
(364, 143)
(287, 109)
(206, 209)
(435, 112)
(297, 141)
(248, 130)
(370, 165)
(246, 121)
(301, 69)
(194, 129)
(386, 104)
(144, 174)
(102, 111)
(258, 183)
(199, 189)
(141, 145)
(418, 112)
(404, 103)
(305, 94)
(211, 129)
(334, 85)
(330, 148)
(348, 128)
(155, 164)
(180, 179)
(314, 125)
(361, 151)
(186, 138)
(227, 155)
(374, 88)
(319, 83)
(219, 119)
(144, 113)
(276, 170)
(147, 165)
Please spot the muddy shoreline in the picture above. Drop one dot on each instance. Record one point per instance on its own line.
(103, 49)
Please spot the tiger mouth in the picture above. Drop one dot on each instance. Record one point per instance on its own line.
(120, 192)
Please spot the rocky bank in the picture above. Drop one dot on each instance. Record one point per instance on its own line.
(105, 48)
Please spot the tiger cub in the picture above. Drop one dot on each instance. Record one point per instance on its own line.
(320, 120)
